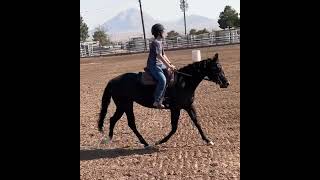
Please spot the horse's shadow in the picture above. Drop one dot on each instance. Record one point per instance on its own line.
(92, 154)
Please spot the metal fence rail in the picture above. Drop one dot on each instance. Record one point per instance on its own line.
(136, 45)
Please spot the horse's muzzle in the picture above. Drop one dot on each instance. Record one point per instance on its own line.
(225, 85)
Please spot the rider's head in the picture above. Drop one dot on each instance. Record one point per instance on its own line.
(157, 30)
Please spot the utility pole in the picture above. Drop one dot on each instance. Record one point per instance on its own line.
(184, 7)
(144, 33)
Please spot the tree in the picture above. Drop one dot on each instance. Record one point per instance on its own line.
(193, 32)
(203, 31)
(101, 36)
(83, 30)
(237, 23)
(172, 34)
(229, 18)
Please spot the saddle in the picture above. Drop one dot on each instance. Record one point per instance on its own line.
(147, 79)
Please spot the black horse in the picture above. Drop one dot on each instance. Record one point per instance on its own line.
(127, 88)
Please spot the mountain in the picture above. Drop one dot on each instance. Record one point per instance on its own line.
(198, 22)
(128, 23)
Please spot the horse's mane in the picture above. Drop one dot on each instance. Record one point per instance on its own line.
(195, 65)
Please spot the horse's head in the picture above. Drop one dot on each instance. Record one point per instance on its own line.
(215, 72)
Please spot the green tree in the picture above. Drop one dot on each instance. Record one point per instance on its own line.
(237, 24)
(172, 34)
(193, 32)
(83, 30)
(203, 31)
(229, 18)
(101, 36)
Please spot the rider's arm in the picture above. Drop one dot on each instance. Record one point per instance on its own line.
(167, 59)
(169, 62)
(162, 59)
(158, 48)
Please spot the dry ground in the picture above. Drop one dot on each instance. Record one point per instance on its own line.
(185, 155)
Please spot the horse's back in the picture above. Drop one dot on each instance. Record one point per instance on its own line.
(124, 81)
(129, 85)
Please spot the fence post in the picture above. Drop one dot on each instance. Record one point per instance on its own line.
(230, 35)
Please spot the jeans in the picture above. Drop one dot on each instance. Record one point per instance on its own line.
(157, 72)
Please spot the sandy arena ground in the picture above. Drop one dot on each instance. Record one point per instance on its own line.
(185, 155)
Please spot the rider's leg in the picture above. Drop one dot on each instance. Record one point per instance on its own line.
(158, 74)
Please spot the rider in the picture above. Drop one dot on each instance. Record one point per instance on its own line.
(157, 63)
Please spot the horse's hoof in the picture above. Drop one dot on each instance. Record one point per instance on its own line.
(100, 129)
(106, 140)
(211, 143)
(157, 143)
(147, 146)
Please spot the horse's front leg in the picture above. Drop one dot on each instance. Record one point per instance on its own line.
(175, 114)
(193, 115)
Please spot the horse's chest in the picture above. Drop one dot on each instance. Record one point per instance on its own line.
(186, 99)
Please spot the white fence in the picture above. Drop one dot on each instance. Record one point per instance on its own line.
(88, 48)
(136, 45)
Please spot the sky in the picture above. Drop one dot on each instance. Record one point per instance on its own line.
(96, 12)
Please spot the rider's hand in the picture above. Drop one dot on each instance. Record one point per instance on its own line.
(173, 67)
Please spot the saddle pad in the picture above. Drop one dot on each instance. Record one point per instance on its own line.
(147, 79)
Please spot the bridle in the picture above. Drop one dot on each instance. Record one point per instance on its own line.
(205, 78)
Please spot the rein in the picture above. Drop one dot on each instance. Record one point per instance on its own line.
(184, 73)
(189, 75)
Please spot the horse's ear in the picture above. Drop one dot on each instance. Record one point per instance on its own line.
(216, 57)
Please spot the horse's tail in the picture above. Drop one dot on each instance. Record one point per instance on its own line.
(104, 105)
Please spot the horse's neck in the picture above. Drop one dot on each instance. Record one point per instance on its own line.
(195, 71)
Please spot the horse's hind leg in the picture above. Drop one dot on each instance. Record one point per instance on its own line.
(132, 123)
(113, 120)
